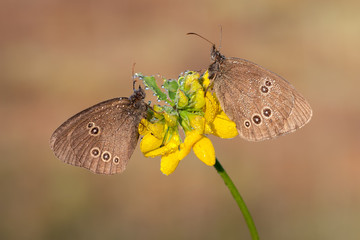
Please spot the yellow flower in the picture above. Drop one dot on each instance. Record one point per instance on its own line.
(197, 113)
(201, 145)
(161, 139)
(172, 151)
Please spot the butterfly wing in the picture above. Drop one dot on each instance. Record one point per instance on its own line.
(262, 104)
(101, 138)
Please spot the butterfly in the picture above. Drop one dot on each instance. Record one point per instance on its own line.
(261, 103)
(103, 137)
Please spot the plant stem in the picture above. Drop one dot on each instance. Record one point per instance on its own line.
(240, 202)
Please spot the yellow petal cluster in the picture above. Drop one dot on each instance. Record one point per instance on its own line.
(198, 114)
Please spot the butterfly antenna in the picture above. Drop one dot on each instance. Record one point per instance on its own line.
(133, 76)
(220, 37)
(192, 33)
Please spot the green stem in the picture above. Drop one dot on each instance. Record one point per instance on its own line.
(240, 202)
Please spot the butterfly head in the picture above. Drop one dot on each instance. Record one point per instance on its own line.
(138, 95)
(216, 56)
(218, 59)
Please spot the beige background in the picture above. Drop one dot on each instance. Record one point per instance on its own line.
(59, 57)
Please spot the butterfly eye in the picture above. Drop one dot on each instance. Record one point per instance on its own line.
(116, 160)
(256, 119)
(267, 112)
(94, 131)
(264, 89)
(95, 152)
(106, 156)
(268, 83)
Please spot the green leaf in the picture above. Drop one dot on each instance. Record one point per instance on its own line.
(150, 82)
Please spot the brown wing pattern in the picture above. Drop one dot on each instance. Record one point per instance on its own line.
(262, 104)
(101, 138)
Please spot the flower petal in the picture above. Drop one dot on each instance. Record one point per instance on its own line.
(205, 151)
(143, 126)
(171, 146)
(190, 139)
(223, 127)
(182, 99)
(197, 122)
(198, 99)
(149, 143)
(158, 129)
(171, 119)
(206, 80)
(169, 163)
(212, 107)
(191, 82)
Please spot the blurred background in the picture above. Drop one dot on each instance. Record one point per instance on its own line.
(60, 57)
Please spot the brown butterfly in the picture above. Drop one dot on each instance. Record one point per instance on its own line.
(261, 103)
(103, 137)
